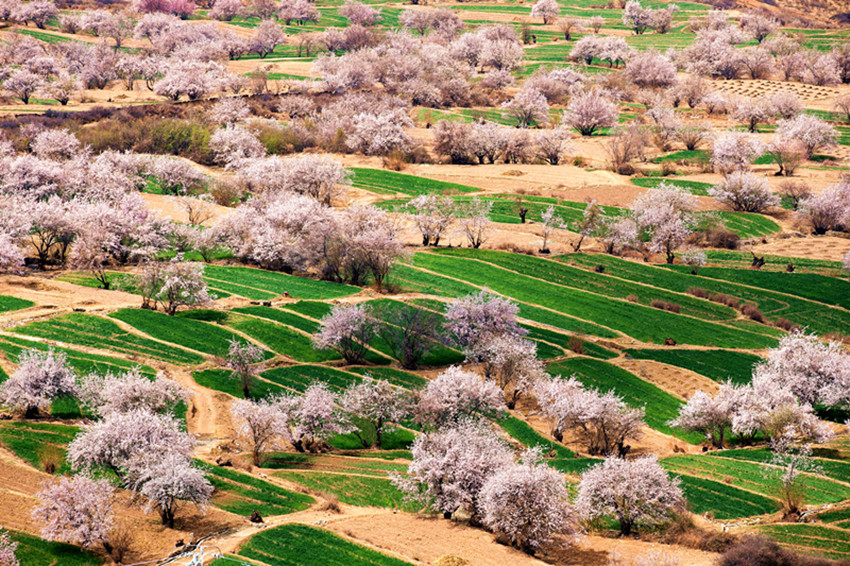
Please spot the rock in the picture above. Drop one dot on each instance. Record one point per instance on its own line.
(255, 518)
(669, 342)
(267, 303)
(224, 462)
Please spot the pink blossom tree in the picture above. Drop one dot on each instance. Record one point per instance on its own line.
(109, 393)
(234, 143)
(170, 481)
(432, 215)
(694, 258)
(38, 12)
(312, 418)
(829, 210)
(41, 378)
(814, 371)
(786, 153)
(602, 421)
(744, 191)
(710, 415)
(451, 465)
(473, 318)
(229, 110)
(457, 395)
(22, 84)
(665, 215)
(636, 17)
(473, 220)
(529, 107)
(419, 20)
(261, 423)
(76, 509)
(752, 112)
(732, 151)
(348, 330)
(548, 10)
(226, 10)
(511, 362)
(758, 25)
(7, 550)
(119, 440)
(590, 111)
(242, 360)
(377, 402)
(635, 492)
(183, 284)
(266, 38)
(651, 69)
(318, 176)
(359, 13)
(528, 504)
(812, 132)
(551, 222)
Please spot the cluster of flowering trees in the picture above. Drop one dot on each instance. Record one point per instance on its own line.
(800, 372)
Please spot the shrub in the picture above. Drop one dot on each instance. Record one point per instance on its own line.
(785, 324)
(658, 304)
(672, 307)
(751, 311)
(225, 194)
(632, 298)
(697, 292)
(179, 137)
(724, 299)
(761, 551)
(722, 238)
(576, 345)
(51, 458)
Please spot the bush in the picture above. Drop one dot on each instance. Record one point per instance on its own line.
(658, 304)
(751, 311)
(697, 292)
(761, 551)
(632, 298)
(722, 238)
(672, 307)
(724, 299)
(183, 138)
(51, 458)
(785, 324)
(225, 194)
(576, 345)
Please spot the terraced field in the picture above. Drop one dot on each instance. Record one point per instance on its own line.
(300, 545)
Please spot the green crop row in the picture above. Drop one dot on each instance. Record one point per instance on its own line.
(817, 316)
(363, 491)
(243, 494)
(300, 545)
(259, 284)
(32, 442)
(643, 323)
(755, 477)
(8, 303)
(719, 365)
(527, 436)
(98, 332)
(723, 501)
(389, 182)
(811, 539)
(181, 330)
(33, 551)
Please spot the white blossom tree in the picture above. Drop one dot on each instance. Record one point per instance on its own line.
(41, 378)
(348, 330)
(457, 395)
(76, 509)
(635, 492)
(312, 418)
(377, 402)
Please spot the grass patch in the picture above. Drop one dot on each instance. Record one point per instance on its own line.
(98, 332)
(181, 330)
(300, 545)
(259, 284)
(300, 377)
(243, 494)
(390, 182)
(696, 187)
(363, 491)
(222, 380)
(718, 365)
(723, 501)
(33, 551)
(811, 539)
(754, 477)
(643, 323)
(397, 377)
(8, 303)
(28, 441)
(522, 431)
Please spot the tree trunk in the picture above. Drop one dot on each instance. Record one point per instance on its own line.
(625, 527)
